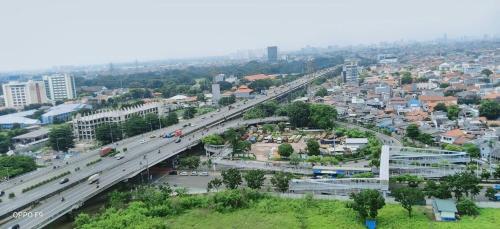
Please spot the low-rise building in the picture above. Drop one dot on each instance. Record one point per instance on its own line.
(444, 210)
(62, 112)
(84, 126)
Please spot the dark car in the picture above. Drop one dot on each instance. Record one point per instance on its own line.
(2, 193)
(14, 226)
(177, 140)
(64, 180)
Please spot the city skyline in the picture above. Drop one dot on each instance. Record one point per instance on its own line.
(40, 35)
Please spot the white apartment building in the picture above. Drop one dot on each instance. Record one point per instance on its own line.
(20, 94)
(84, 126)
(60, 86)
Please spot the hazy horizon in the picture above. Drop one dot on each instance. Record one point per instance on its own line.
(45, 33)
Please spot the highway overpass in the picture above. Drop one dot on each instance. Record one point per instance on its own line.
(46, 199)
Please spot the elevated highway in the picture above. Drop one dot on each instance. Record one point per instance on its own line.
(46, 199)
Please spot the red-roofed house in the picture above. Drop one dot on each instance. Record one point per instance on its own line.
(452, 136)
(258, 77)
(243, 92)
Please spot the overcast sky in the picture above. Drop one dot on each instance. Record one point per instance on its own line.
(43, 33)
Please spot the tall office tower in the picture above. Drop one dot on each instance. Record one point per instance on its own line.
(350, 72)
(60, 87)
(20, 94)
(272, 53)
(216, 93)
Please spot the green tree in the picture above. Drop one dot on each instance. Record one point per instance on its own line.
(298, 113)
(463, 183)
(489, 109)
(485, 174)
(285, 150)
(444, 85)
(440, 107)
(213, 139)
(367, 203)
(408, 197)
(452, 112)
(135, 125)
(281, 180)
(490, 193)
(496, 174)
(171, 119)
(231, 178)
(189, 113)
(412, 131)
(312, 147)
(441, 190)
(61, 138)
(321, 92)
(406, 78)
(214, 184)
(108, 132)
(322, 115)
(466, 206)
(153, 121)
(472, 150)
(200, 97)
(191, 162)
(486, 72)
(255, 178)
(224, 101)
(295, 159)
(118, 199)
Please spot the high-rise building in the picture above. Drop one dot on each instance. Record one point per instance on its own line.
(20, 94)
(216, 93)
(60, 86)
(350, 72)
(272, 53)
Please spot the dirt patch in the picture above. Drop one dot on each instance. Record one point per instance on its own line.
(265, 151)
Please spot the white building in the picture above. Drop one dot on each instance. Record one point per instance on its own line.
(20, 94)
(216, 96)
(350, 72)
(60, 87)
(84, 126)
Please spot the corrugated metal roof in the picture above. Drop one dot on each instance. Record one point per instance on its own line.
(445, 205)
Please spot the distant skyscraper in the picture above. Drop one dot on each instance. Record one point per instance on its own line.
(350, 72)
(272, 53)
(60, 87)
(20, 94)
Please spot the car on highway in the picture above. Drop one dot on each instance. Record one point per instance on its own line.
(2, 192)
(183, 173)
(204, 174)
(152, 136)
(64, 180)
(93, 178)
(142, 141)
(177, 140)
(119, 156)
(194, 173)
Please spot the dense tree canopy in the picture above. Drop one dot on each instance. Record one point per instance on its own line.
(255, 178)
(285, 150)
(61, 138)
(280, 181)
(490, 109)
(213, 139)
(408, 197)
(109, 132)
(312, 147)
(11, 166)
(322, 115)
(367, 203)
(231, 178)
(298, 112)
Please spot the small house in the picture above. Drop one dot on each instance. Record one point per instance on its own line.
(444, 210)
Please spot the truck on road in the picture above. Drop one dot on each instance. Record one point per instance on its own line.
(93, 178)
(105, 151)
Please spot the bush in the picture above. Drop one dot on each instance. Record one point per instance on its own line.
(12, 195)
(466, 206)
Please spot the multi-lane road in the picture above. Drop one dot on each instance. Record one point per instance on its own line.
(138, 157)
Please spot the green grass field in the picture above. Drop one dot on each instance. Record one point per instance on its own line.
(285, 213)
